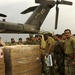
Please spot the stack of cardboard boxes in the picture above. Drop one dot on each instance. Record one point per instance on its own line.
(22, 60)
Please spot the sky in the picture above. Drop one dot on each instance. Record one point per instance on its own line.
(12, 9)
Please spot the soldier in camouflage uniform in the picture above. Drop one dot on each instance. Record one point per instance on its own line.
(59, 54)
(69, 53)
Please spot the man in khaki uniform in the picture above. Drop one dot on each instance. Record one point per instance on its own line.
(69, 53)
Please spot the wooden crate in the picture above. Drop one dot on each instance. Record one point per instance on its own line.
(1, 56)
(2, 64)
(2, 68)
(22, 59)
(37, 71)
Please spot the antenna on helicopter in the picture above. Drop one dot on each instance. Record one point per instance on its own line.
(57, 9)
(3, 15)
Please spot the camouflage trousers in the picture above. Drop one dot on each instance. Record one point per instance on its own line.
(48, 70)
(60, 63)
(69, 68)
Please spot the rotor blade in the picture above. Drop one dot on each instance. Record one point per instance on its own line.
(57, 14)
(29, 10)
(3, 15)
(48, 2)
(66, 2)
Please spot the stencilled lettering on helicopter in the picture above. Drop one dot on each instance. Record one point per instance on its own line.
(37, 15)
(40, 13)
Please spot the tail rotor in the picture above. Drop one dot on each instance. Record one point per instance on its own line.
(57, 9)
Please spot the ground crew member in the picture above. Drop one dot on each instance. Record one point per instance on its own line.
(69, 53)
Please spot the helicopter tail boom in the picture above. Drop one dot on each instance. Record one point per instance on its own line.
(38, 16)
(8, 27)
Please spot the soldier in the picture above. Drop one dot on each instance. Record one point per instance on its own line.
(37, 40)
(42, 44)
(20, 41)
(27, 42)
(59, 54)
(49, 50)
(69, 53)
(12, 42)
(63, 37)
(32, 40)
(40, 39)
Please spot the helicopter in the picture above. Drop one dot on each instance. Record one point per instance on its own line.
(33, 24)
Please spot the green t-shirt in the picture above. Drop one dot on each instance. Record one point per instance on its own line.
(69, 46)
